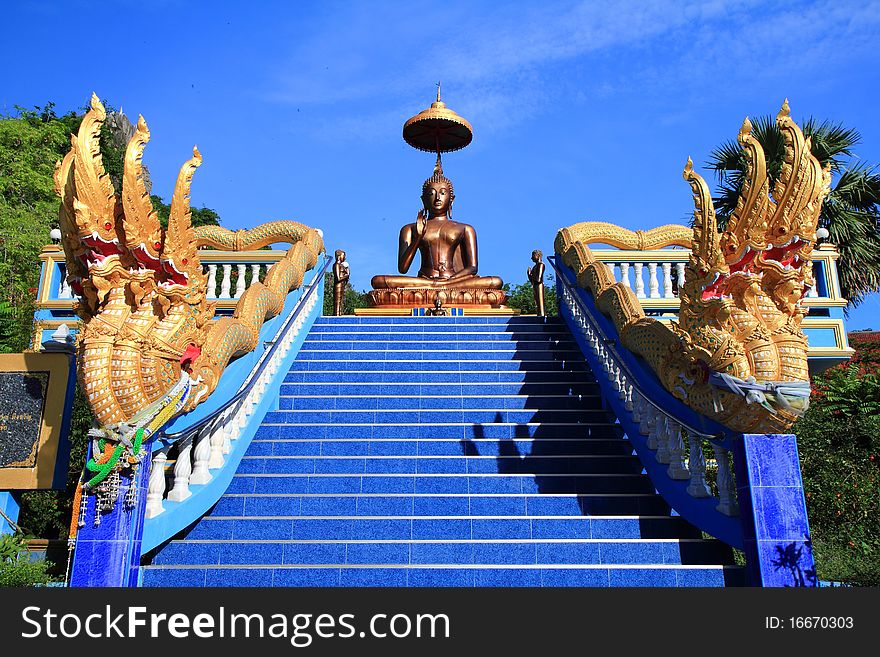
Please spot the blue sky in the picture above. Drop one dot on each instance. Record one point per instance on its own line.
(581, 110)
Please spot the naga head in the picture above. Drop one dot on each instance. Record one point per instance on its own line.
(181, 266)
(745, 237)
(799, 192)
(97, 212)
(706, 270)
(143, 232)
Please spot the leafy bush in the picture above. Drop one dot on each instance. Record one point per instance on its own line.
(839, 441)
(16, 567)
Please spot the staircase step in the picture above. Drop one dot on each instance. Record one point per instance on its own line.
(437, 447)
(689, 552)
(432, 505)
(570, 369)
(595, 484)
(404, 528)
(454, 576)
(456, 431)
(402, 464)
(356, 402)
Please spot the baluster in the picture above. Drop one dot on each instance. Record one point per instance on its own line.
(726, 493)
(610, 266)
(677, 469)
(624, 274)
(636, 400)
(182, 471)
(239, 284)
(627, 395)
(216, 459)
(639, 281)
(226, 283)
(653, 422)
(663, 435)
(697, 467)
(645, 422)
(156, 483)
(653, 284)
(212, 281)
(202, 449)
(679, 270)
(667, 281)
(255, 273)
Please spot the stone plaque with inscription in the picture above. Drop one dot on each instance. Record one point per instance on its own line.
(35, 399)
(22, 399)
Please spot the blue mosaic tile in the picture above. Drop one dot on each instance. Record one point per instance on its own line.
(642, 577)
(323, 529)
(381, 529)
(440, 506)
(393, 447)
(329, 506)
(389, 484)
(267, 530)
(440, 529)
(313, 553)
(385, 506)
(238, 577)
(377, 553)
(339, 465)
(441, 484)
(188, 554)
(272, 506)
(501, 528)
(498, 506)
(505, 553)
(280, 484)
(442, 553)
(560, 528)
(440, 577)
(507, 577)
(173, 577)
(373, 577)
(345, 448)
(306, 577)
(493, 484)
(251, 553)
(559, 577)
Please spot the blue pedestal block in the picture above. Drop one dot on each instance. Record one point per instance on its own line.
(774, 512)
(108, 554)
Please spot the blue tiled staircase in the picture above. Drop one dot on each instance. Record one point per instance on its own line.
(459, 451)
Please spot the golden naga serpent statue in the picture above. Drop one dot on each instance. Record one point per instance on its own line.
(737, 353)
(148, 347)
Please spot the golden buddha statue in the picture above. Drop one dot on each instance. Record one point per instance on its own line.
(447, 248)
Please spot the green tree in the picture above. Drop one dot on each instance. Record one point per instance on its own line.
(199, 216)
(522, 298)
(352, 300)
(850, 212)
(839, 447)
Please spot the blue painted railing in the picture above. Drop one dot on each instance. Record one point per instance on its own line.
(760, 510)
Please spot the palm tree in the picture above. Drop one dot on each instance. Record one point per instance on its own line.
(850, 213)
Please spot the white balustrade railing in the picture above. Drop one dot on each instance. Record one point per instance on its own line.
(202, 450)
(679, 447)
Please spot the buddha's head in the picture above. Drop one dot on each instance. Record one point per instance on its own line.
(437, 194)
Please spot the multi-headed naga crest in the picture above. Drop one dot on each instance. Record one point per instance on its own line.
(149, 346)
(737, 352)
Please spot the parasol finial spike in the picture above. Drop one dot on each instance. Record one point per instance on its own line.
(438, 91)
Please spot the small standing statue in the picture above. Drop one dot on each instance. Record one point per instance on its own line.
(341, 274)
(438, 310)
(536, 278)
